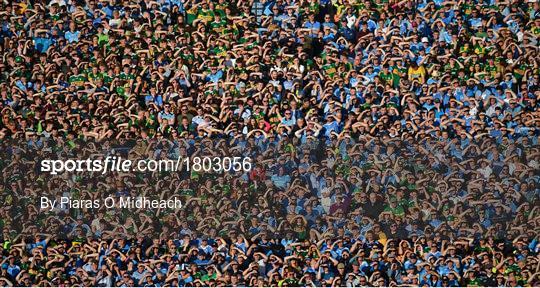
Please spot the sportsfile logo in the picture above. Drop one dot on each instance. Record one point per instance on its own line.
(110, 163)
(119, 164)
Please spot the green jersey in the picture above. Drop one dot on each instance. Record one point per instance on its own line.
(77, 80)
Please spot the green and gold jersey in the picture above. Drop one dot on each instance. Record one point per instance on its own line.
(397, 73)
(314, 8)
(329, 69)
(386, 77)
(519, 71)
(480, 50)
(467, 8)
(94, 77)
(191, 14)
(220, 51)
(219, 27)
(77, 80)
(491, 70)
(206, 15)
(535, 30)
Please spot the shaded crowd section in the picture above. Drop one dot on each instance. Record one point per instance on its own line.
(395, 143)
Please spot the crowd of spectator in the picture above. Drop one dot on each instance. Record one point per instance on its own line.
(362, 212)
(396, 142)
